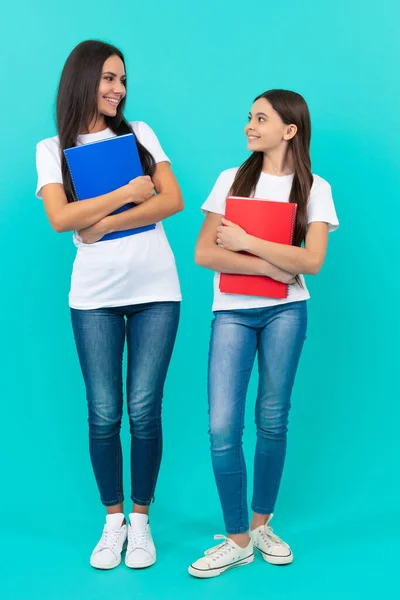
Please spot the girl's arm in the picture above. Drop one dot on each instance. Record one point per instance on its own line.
(64, 216)
(211, 256)
(307, 260)
(166, 203)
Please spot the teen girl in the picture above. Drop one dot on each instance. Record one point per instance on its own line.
(279, 168)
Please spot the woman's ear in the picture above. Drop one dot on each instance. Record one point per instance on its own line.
(290, 132)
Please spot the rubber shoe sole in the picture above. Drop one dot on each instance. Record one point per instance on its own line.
(272, 559)
(208, 573)
(145, 565)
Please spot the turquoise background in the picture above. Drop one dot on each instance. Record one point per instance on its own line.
(193, 72)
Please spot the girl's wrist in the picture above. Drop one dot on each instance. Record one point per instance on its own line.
(248, 243)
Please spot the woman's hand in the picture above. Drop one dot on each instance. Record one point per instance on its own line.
(231, 236)
(95, 232)
(140, 189)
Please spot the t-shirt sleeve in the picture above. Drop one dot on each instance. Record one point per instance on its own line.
(320, 206)
(148, 138)
(48, 167)
(216, 201)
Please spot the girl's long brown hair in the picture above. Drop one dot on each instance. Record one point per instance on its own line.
(292, 109)
(77, 103)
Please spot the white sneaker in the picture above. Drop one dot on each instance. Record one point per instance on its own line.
(272, 548)
(107, 553)
(141, 551)
(221, 558)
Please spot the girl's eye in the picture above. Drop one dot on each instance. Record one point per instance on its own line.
(261, 119)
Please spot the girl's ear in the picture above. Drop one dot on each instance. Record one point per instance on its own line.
(290, 132)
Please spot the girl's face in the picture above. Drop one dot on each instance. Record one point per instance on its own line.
(112, 86)
(265, 130)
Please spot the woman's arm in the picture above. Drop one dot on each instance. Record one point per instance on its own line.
(166, 203)
(64, 216)
(211, 256)
(307, 260)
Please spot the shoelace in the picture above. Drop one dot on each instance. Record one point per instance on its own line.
(109, 538)
(268, 536)
(219, 551)
(136, 539)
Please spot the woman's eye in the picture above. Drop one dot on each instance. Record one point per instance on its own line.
(261, 119)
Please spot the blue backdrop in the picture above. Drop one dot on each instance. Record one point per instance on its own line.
(193, 71)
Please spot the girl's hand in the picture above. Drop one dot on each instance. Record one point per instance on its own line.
(95, 232)
(287, 278)
(140, 189)
(231, 237)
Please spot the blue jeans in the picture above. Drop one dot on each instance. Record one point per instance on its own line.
(150, 330)
(278, 334)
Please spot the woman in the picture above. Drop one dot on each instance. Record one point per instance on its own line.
(120, 287)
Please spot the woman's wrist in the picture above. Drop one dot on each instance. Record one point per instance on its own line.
(106, 225)
(124, 194)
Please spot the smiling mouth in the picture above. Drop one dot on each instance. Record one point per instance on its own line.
(112, 101)
(253, 138)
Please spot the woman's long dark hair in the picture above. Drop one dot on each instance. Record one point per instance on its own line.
(292, 109)
(77, 103)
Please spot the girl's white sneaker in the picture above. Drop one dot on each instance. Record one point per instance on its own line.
(221, 558)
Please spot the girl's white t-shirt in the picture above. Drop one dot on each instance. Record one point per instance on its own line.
(130, 270)
(270, 187)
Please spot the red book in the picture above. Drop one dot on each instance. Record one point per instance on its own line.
(267, 220)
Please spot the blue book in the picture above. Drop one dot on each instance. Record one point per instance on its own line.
(101, 167)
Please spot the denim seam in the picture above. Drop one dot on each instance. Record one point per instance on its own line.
(142, 502)
(243, 467)
(119, 500)
(238, 530)
(119, 456)
(261, 511)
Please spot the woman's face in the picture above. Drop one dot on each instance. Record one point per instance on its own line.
(112, 86)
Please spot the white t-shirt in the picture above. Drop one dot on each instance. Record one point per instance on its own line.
(270, 187)
(130, 270)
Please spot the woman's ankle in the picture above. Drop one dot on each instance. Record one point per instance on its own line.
(141, 509)
(116, 509)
